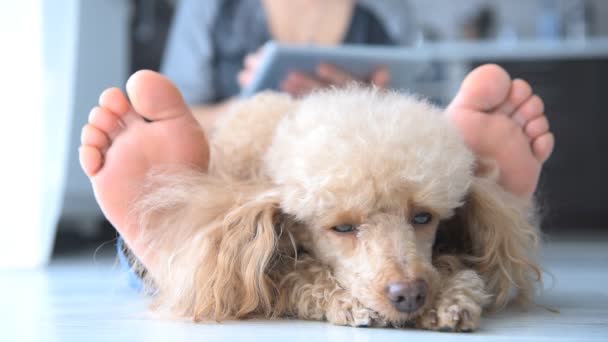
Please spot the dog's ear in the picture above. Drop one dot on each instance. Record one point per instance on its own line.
(216, 243)
(502, 234)
(247, 250)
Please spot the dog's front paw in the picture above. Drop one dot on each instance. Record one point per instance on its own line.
(458, 316)
(463, 317)
(428, 320)
(349, 311)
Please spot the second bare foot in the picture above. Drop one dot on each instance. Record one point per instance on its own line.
(501, 119)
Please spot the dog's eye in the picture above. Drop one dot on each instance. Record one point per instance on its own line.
(422, 218)
(344, 228)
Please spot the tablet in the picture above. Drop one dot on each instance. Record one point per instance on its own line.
(278, 60)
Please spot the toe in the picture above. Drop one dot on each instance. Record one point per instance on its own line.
(537, 127)
(519, 93)
(93, 136)
(542, 146)
(529, 110)
(104, 120)
(114, 100)
(91, 159)
(484, 88)
(154, 97)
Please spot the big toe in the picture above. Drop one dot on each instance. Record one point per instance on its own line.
(484, 89)
(154, 97)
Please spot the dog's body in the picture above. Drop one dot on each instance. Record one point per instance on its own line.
(330, 208)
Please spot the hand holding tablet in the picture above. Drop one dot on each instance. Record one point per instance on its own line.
(325, 75)
(298, 69)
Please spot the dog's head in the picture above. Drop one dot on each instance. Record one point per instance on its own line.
(371, 174)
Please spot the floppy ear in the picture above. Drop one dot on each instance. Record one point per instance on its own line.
(216, 242)
(503, 237)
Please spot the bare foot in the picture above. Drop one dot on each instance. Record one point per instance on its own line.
(501, 119)
(119, 146)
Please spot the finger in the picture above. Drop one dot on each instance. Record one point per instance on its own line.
(291, 87)
(333, 75)
(292, 84)
(253, 57)
(251, 61)
(243, 78)
(381, 77)
(299, 84)
(306, 83)
(288, 87)
(250, 64)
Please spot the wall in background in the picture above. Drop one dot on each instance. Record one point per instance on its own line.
(519, 16)
(38, 59)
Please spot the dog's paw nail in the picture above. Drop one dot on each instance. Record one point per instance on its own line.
(432, 317)
(362, 323)
(466, 329)
(407, 324)
(446, 328)
(453, 313)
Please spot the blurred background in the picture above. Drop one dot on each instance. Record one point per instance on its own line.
(107, 40)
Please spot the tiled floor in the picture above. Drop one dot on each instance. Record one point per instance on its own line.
(85, 299)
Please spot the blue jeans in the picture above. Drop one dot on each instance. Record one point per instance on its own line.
(134, 280)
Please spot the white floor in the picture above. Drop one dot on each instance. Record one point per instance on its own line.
(86, 299)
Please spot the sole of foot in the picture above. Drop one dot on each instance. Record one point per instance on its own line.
(125, 138)
(501, 119)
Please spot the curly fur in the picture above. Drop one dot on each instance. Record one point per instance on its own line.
(253, 236)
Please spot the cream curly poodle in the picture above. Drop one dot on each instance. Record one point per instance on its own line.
(357, 206)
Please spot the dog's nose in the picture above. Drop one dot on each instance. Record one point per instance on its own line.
(407, 297)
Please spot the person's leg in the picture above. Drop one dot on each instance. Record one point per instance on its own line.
(501, 119)
(119, 146)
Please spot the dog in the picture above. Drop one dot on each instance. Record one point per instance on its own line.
(357, 206)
